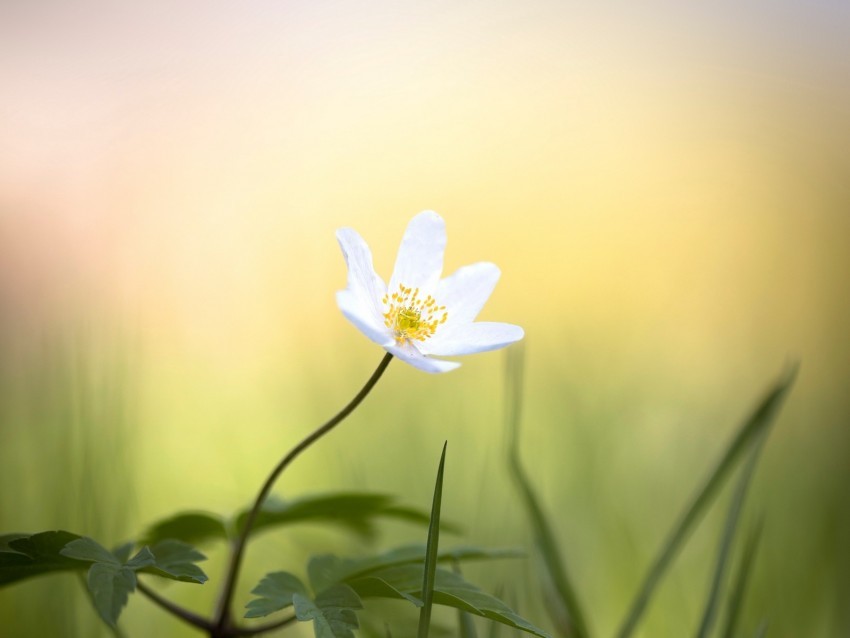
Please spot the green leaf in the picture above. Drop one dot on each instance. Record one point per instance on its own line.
(122, 552)
(430, 570)
(466, 626)
(333, 612)
(739, 588)
(275, 591)
(110, 585)
(90, 550)
(176, 560)
(26, 555)
(728, 538)
(754, 426)
(142, 559)
(405, 581)
(194, 528)
(565, 609)
(353, 510)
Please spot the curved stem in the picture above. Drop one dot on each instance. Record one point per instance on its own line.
(260, 629)
(184, 614)
(222, 617)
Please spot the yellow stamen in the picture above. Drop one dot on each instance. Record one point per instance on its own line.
(411, 318)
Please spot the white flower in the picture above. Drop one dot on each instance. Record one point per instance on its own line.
(420, 315)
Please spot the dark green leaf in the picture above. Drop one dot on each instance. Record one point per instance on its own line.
(143, 558)
(728, 538)
(109, 585)
(353, 510)
(326, 570)
(333, 612)
(431, 549)
(756, 425)
(122, 552)
(565, 609)
(176, 560)
(90, 550)
(194, 528)
(275, 592)
(466, 626)
(26, 555)
(405, 581)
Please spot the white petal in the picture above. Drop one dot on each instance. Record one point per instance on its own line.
(464, 293)
(419, 263)
(353, 309)
(411, 355)
(363, 282)
(475, 337)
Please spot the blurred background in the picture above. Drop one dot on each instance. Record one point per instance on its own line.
(665, 188)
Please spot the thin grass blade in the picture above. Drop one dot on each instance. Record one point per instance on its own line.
(564, 608)
(755, 425)
(431, 551)
(736, 506)
(739, 588)
(761, 632)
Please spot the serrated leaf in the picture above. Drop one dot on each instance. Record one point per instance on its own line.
(275, 591)
(110, 585)
(326, 570)
(142, 559)
(176, 560)
(194, 528)
(90, 550)
(26, 555)
(122, 552)
(404, 581)
(333, 612)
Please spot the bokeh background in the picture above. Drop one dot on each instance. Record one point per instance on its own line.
(664, 185)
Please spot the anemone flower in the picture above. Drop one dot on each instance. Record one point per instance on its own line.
(420, 316)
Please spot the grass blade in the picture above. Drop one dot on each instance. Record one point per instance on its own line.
(431, 552)
(736, 597)
(761, 632)
(735, 507)
(565, 610)
(755, 425)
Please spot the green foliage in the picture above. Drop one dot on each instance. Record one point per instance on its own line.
(26, 555)
(354, 511)
(333, 612)
(727, 540)
(431, 549)
(564, 607)
(110, 585)
(275, 592)
(741, 580)
(112, 577)
(396, 574)
(753, 428)
(195, 528)
(176, 560)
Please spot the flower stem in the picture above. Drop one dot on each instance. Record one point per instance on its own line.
(184, 614)
(222, 616)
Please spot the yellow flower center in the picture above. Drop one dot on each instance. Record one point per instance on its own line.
(411, 318)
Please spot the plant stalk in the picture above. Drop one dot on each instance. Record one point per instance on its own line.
(222, 620)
